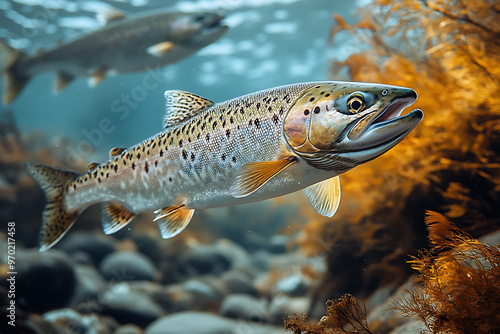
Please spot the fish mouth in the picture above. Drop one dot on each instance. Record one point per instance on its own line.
(376, 133)
(215, 23)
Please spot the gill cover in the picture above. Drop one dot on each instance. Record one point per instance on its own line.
(318, 118)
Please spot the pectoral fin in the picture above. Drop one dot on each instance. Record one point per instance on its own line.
(160, 49)
(254, 175)
(324, 197)
(115, 217)
(173, 220)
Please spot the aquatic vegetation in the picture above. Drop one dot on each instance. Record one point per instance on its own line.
(449, 52)
(344, 315)
(461, 282)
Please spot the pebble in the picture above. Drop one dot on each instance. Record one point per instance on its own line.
(97, 246)
(127, 306)
(44, 281)
(127, 266)
(245, 307)
(207, 323)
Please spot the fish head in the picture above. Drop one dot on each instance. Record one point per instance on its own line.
(197, 28)
(339, 125)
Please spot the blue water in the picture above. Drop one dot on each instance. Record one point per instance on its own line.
(270, 43)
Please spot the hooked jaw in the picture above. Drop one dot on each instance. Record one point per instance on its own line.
(378, 132)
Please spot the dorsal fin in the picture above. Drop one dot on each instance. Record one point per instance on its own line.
(110, 15)
(116, 151)
(181, 106)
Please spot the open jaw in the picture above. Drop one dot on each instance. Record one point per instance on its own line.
(375, 134)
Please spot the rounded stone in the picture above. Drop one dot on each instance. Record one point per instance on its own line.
(127, 266)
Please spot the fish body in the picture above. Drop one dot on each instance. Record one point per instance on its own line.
(122, 45)
(255, 147)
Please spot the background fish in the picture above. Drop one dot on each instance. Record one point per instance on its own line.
(122, 45)
(247, 149)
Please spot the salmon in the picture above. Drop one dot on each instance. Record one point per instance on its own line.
(251, 148)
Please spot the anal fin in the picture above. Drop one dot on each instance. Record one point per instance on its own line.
(173, 220)
(254, 175)
(324, 196)
(114, 217)
(62, 80)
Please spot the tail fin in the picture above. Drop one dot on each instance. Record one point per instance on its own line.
(13, 81)
(56, 220)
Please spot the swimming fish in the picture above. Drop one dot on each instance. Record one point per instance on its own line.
(122, 45)
(251, 148)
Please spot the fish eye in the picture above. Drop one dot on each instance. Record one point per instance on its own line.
(199, 17)
(355, 103)
(385, 92)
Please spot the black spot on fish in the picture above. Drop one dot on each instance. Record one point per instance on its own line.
(203, 126)
(161, 153)
(198, 136)
(102, 174)
(214, 125)
(224, 124)
(207, 137)
(192, 156)
(275, 119)
(311, 99)
(138, 155)
(258, 106)
(321, 93)
(282, 110)
(156, 163)
(171, 141)
(133, 165)
(74, 186)
(99, 179)
(189, 139)
(146, 167)
(154, 145)
(170, 179)
(228, 133)
(221, 117)
(317, 86)
(231, 120)
(115, 167)
(234, 159)
(317, 110)
(94, 173)
(223, 157)
(257, 123)
(242, 111)
(184, 154)
(180, 143)
(306, 112)
(107, 175)
(210, 119)
(327, 95)
(250, 122)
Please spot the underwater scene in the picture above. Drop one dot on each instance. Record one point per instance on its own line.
(249, 166)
